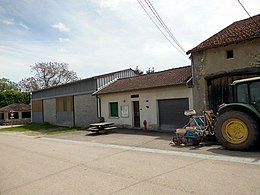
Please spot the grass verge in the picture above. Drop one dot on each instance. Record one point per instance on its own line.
(37, 129)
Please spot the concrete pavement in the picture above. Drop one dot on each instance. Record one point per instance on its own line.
(152, 140)
(31, 165)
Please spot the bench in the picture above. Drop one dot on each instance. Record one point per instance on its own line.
(104, 126)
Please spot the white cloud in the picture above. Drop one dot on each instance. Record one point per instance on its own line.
(112, 4)
(13, 22)
(61, 27)
(110, 35)
(23, 26)
(9, 21)
(62, 50)
(64, 39)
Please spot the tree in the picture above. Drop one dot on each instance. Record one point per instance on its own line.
(10, 93)
(48, 75)
(6, 84)
(10, 96)
(150, 70)
(138, 71)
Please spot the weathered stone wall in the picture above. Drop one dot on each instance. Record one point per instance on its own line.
(214, 61)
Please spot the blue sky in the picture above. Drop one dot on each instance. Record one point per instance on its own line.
(100, 36)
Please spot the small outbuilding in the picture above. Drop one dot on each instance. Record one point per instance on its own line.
(17, 113)
(153, 101)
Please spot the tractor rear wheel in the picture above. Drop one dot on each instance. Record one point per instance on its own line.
(236, 130)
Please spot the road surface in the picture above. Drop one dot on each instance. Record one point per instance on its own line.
(33, 165)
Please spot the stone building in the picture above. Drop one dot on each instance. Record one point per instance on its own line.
(17, 113)
(231, 54)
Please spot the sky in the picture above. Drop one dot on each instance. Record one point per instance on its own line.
(101, 36)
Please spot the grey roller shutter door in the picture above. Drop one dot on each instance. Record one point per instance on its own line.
(171, 113)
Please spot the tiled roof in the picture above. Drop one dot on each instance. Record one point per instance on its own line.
(176, 76)
(16, 107)
(242, 30)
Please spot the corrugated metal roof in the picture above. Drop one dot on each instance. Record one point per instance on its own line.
(112, 73)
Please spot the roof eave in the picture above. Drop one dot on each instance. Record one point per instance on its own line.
(122, 91)
(194, 50)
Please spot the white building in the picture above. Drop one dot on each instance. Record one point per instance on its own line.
(159, 99)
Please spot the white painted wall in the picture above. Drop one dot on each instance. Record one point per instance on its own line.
(146, 98)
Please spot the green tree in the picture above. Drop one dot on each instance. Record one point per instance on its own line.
(10, 93)
(6, 84)
(47, 75)
(11, 96)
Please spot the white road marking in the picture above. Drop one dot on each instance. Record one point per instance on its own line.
(246, 160)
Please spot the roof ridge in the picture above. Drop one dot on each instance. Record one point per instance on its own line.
(230, 35)
(171, 77)
(142, 75)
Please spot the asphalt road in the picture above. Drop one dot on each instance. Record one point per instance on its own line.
(55, 165)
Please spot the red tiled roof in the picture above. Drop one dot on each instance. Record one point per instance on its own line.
(176, 76)
(16, 107)
(242, 30)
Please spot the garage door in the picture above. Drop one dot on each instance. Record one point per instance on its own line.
(171, 113)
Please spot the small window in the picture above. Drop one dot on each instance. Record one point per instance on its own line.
(114, 109)
(26, 114)
(15, 115)
(135, 96)
(1, 116)
(230, 54)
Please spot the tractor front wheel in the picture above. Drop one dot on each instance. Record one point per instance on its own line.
(236, 130)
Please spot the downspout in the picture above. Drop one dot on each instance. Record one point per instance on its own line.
(73, 109)
(99, 107)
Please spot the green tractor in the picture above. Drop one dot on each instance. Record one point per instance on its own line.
(237, 124)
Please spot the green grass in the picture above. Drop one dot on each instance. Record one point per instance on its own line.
(46, 129)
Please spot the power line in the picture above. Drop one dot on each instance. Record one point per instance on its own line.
(160, 25)
(248, 14)
(153, 20)
(163, 24)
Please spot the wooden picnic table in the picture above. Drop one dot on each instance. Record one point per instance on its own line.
(104, 126)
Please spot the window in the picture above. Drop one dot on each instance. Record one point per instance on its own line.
(135, 96)
(114, 109)
(255, 93)
(15, 115)
(26, 114)
(230, 54)
(1, 116)
(242, 93)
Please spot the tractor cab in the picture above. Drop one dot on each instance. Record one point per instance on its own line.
(247, 91)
